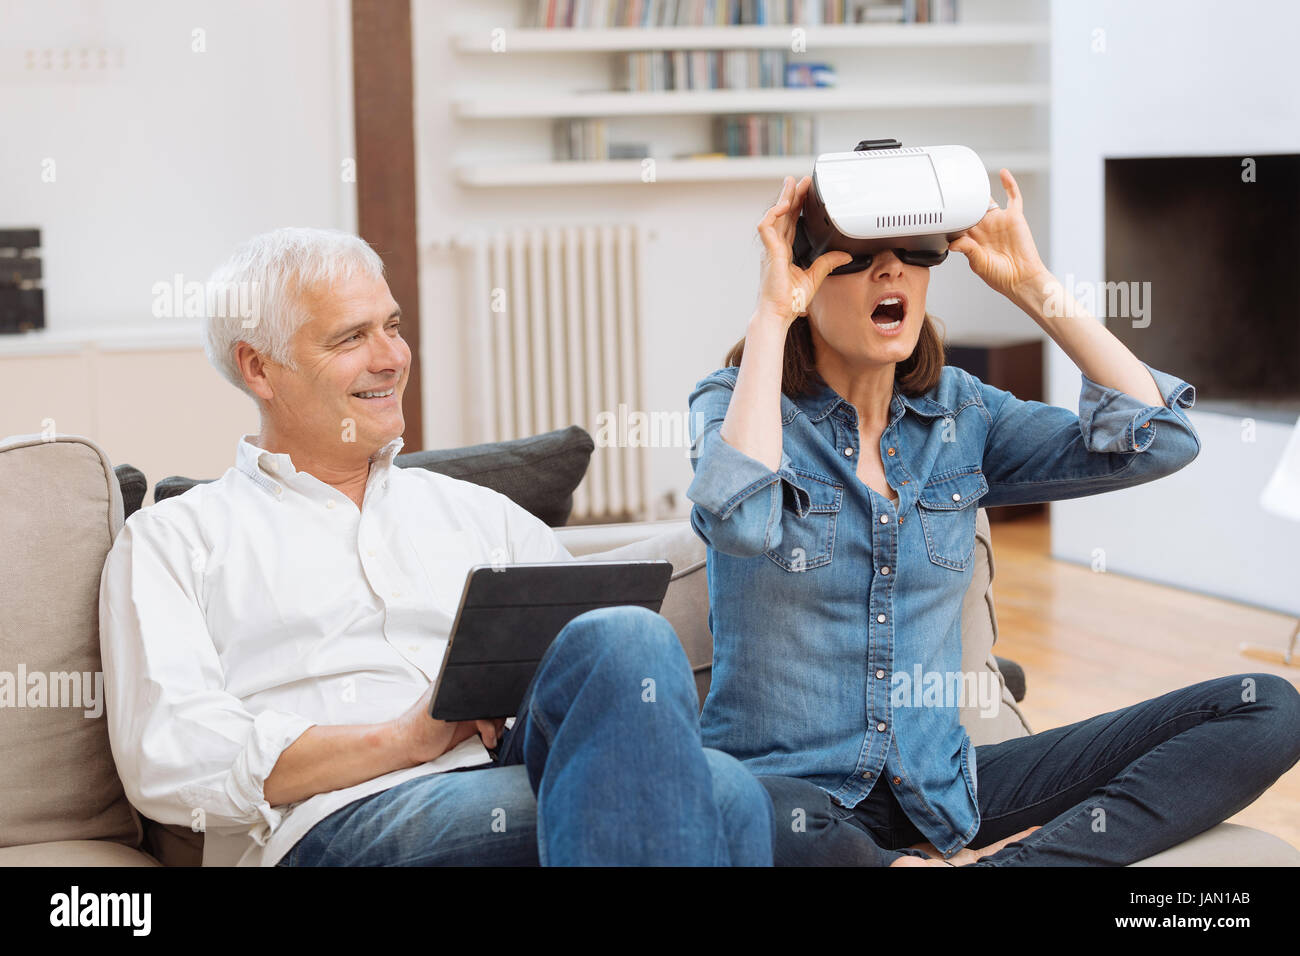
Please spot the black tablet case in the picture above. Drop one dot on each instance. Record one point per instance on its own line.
(509, 616)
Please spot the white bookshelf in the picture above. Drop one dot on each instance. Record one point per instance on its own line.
(702, 170)
(860, 36)
(761, 100)
(552, 68)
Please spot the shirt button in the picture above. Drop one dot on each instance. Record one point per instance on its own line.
(414, 648)
(885, 569)
(278, 489)
(879, 674)
(898, 780)
(866, 775)
(397, 594)
(884, 519)
(849, 451)
(1146, 424)
(956, 497)
(880, 618)
(372, 554)
(890, 453)
(880, 727)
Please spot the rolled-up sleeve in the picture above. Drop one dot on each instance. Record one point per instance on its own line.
(186, 750)
(738, 500)
(1037, 452)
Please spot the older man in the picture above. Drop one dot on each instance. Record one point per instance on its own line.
(270, 640)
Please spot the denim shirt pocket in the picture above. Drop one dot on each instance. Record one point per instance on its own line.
(948, 508)
(808, 541)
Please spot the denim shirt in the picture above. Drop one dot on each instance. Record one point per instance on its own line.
(821, 589)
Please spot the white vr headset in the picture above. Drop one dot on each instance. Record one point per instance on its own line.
(913, 200)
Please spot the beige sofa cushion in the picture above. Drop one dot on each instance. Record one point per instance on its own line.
(60, 508)
(1228, 844)
(686, 606)
(74, 853)
(979, 632)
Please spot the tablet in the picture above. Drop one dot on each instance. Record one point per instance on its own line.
(510, 614)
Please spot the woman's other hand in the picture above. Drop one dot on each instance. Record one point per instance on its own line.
(785, 289)
(1000, 249)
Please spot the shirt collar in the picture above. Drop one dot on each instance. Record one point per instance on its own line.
(821, 400)
(266, 468)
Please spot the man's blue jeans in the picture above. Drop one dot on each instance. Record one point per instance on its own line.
(1107, 791)
(603, 766)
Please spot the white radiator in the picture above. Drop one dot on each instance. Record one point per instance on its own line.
(555, 341)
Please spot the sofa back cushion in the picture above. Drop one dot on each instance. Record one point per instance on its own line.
(686, 606)
(539, 473)
(60, 509)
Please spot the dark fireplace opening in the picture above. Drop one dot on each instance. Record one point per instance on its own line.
(1214, 243)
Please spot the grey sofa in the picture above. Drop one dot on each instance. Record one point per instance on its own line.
(61, 802)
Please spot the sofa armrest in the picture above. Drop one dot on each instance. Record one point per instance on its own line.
(591, 539)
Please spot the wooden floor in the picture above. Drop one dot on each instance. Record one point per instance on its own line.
(1092, 642)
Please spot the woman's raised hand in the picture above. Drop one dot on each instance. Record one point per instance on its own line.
(999, 247)
(785, 290)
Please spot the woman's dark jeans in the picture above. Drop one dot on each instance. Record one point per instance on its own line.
(1107, 791)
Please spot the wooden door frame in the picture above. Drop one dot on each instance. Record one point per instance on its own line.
(383, 113)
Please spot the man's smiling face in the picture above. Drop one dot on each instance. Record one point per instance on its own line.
(351, 345)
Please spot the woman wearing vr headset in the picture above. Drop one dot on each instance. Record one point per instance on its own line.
(838, 466)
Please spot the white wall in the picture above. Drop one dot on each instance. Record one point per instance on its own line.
(1177, 77)
(702, 260)
(167, 158)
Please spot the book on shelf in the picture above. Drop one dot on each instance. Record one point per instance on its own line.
(580, 139)
(603, 14)
(764, 134)
(659, 70)
(745, 134)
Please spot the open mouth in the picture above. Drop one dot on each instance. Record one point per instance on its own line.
(889, 313)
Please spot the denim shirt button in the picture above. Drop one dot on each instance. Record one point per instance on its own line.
(885, 569)
(866, 775)
(880, 618)
(880, 727)
(849, 451)
(880, 674)
(884, 519)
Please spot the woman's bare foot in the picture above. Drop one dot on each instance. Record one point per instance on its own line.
(963, 857)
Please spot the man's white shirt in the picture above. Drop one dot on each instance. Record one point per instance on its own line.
(236, 616)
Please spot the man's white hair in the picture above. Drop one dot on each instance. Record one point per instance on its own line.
(268, 275)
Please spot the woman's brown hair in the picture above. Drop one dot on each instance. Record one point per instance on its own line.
(915, 375)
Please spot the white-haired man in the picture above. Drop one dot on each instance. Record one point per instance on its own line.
(270, 639)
